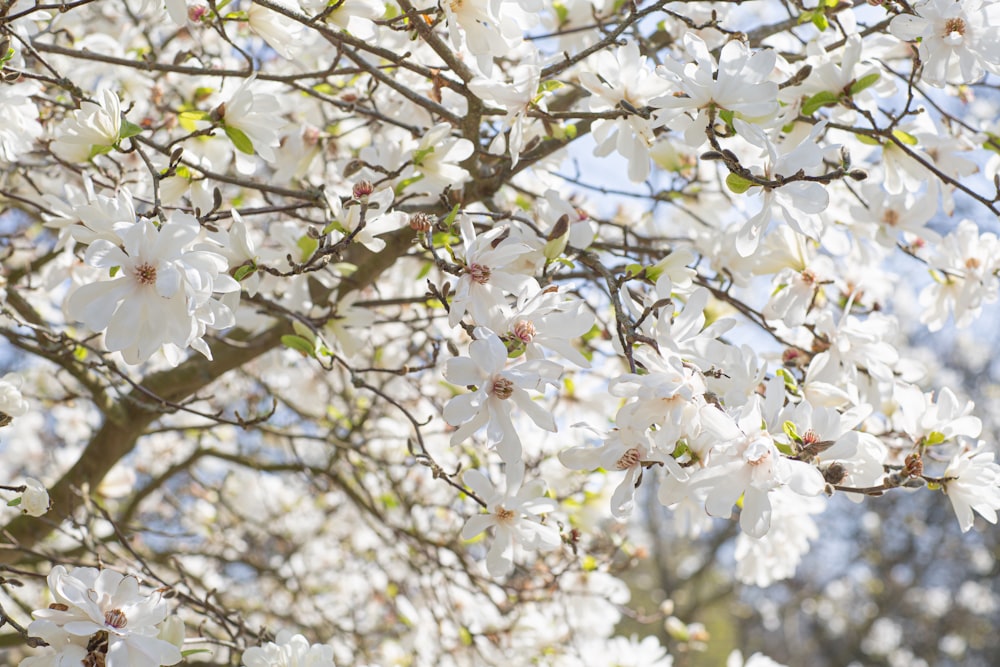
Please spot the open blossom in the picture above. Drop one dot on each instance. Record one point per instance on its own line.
(514, 514)
(746, 463)
(798, 201)
(965, 279)
(289, 650)
(739, 84)
(162, 291)
(488, 274)
(280, 32)
(958, 39)
(253, 112)
(497, 390)
(20, 127)
(621, 79)
(91, 601)
(94, 128)
(972, 483)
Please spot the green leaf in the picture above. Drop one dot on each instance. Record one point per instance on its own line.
(820, 21)
(98, 150)
(737, 183)
(905, 137)
(244, 271)
(727, 117)
(821, 99)
(865, 139)
(14, 503)
(789, 429)
(450, 219)
(864, 82)
(193, 651)
(934, 438)
(308, 246)
(187, 119)
(128, 130)
(299, 344)
(418, 156)
(240, 140)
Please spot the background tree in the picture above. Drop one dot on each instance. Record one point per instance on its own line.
(375, 333)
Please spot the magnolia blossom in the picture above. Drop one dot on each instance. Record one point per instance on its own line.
(625, 82)
(746, 463)
(972, 483)
(35, 499)
(91, 601)
(514, 514)
(161, 292)
(965, 279)
(93, 129)
(289, 650)
(280, 32)
(798, 201)
(20, 128)
(958, 40)
(251, 111)
(739, 85)
(497, 389)
(488, 272)
(12, 403)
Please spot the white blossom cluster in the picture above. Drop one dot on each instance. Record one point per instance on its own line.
(474, 351)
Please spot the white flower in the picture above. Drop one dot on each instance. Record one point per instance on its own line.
(92, 129)
(63, 650)
(514, 514)
(735, 659)
(966, 263)
(958, 39)
(972, 483)
(280, 32)
(739, 84)
(35, 499)
(289, 650)
(92, 601)
(12, 403)
(256, 114)
(618, 78)
(496, 390)
(488, 259)
(436, 158)
(20, 125)
(747, 463)
(356, 16)
(378, 220)
(161, 293)
(798, 201)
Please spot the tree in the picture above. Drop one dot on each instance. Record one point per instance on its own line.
(353, 332)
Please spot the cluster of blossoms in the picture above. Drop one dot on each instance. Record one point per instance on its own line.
(101, 617)
(787, 177)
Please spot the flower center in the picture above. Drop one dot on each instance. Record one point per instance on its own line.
(479, 273)
(502, 388)
(628, 460)
(890, 217)
(525, 331)
(955, 26)
(972, 263)
(145, 273)
(757, 453)
(115, 618)
(808, 277)
(810, 437)
(503, 515)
